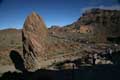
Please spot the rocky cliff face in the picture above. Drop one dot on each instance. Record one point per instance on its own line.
(34, 34)
(105, 22)
(100, 24)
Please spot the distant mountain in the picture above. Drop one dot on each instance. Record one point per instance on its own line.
(100, 23)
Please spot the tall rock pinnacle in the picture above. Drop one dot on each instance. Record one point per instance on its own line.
(34, 34)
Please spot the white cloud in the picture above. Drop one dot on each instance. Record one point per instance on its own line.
(113, 7)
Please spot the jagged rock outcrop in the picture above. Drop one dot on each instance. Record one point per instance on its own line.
(105, 22)
(34, 34)
(100, 23)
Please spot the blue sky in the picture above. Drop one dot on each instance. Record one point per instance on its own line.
(53, 12)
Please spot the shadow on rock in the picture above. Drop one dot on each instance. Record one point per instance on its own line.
(17, 60)
(116, 57)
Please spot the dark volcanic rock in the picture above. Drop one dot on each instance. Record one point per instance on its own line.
(34, 34)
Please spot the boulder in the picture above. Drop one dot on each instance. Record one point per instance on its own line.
(34, 36)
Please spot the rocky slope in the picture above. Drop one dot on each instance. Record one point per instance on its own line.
(9, 39)
(100, 23)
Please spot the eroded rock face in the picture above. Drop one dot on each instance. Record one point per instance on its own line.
(34, 34)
